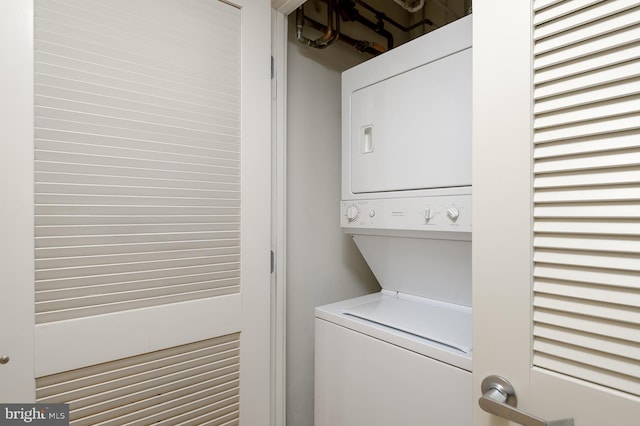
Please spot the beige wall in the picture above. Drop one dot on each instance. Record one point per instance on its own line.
(323, 264)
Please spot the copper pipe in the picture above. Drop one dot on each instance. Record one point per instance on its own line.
(371, 48)
(330, 35)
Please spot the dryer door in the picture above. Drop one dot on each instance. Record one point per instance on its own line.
(413, 131)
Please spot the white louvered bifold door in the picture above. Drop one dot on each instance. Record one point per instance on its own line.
(137, 207)
(587, 191)
(556, 273)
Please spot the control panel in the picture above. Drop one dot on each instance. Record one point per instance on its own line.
(444, 213)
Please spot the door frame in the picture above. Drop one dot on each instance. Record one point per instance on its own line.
(279, 215)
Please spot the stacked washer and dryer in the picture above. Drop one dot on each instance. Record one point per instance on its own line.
(402, 356)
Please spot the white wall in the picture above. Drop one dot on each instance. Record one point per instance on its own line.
(323, 264)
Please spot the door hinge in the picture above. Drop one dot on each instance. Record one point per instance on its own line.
(273, 68)
(273, 261)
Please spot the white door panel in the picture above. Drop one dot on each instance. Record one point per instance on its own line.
(555, 239)
(140, 243)
(16, 207)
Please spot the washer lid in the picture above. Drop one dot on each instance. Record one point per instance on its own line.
(429, 268)
(436, 321)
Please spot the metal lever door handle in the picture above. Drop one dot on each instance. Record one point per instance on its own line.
(499, 398)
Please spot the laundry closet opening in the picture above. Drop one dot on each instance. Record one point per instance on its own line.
(323, 263)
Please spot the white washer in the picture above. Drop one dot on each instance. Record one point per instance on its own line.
(369, 374)
(403, 355)
(367, 382)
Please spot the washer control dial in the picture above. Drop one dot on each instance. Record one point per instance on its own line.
(352, 213)
(428, 214)
(453, 213)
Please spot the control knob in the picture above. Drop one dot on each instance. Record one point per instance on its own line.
(352, 213)
(428, 214)
(453, 213)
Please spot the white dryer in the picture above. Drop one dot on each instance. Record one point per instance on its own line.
(403, 356)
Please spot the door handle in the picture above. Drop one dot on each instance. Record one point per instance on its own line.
(499, 398)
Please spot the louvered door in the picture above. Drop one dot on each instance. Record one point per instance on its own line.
(557, 278)
(586, 196)
(150, 185)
